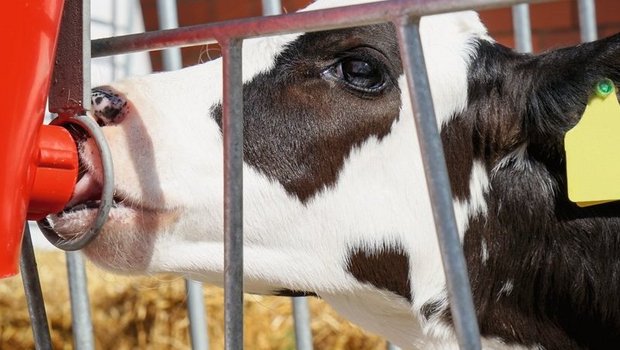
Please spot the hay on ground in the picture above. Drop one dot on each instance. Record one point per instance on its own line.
(150, 313)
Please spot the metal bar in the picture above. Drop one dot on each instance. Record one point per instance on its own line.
(587, 20)
(69, 96)
(522, 27)
(34, 297)
(301, 312)
(459, 290)
(310, 21)
(168, 19)
(173, 60)
(83, 337)
(72, 67)
(301, 317)
(391, 346)
(232, 130)
(272, 7)
(197, 315)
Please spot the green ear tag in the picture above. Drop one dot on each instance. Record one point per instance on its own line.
(593, 150)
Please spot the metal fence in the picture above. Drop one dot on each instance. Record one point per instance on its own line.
(405, 16)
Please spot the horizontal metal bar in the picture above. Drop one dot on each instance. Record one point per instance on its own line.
(310, 21)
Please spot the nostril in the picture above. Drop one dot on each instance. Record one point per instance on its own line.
(108, 106)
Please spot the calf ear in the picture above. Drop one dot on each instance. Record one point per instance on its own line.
(560, 84)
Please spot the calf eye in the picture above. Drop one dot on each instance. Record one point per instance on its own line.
(359, 75)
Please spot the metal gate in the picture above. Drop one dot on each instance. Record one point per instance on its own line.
(405, 15)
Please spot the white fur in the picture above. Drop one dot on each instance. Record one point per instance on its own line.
(484, 251)
(476, 203)
(506, 289)
(168, 157)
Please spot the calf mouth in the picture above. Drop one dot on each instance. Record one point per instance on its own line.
(87, 196)
(126, 213)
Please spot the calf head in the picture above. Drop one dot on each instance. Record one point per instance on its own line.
(335, 201)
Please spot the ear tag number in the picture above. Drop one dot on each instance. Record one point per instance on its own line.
(593, 150)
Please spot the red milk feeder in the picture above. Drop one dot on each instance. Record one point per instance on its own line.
(38, 163)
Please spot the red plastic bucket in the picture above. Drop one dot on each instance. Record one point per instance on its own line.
(38, 164)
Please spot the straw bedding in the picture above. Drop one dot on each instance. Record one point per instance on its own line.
(149, 313)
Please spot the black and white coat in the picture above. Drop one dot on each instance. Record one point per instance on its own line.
(335, 200)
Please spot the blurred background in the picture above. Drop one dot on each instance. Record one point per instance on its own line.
(150, 312)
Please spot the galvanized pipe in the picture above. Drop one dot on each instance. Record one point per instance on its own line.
(301, 313)
(301, 318)
(436, 172)
(272, 7)
(196, 312)
(310, 21)
(173, 60)
(168, 19)
(522, 27)
(391, 346)
(34, 296)
(83, 337)
(232, 130)
(587, 20)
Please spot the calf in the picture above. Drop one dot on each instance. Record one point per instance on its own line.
(335, 200)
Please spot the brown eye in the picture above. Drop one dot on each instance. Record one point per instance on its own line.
(359, 74)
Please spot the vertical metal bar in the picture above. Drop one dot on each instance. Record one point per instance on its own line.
(168, 19)
(272, 7)
(197, 315)
(173, 60)
(391, 346)
(587, 20)
(70, 87)
(301, 318)
(86, 54)
(522, 27)
(459, 290)
(34, 297)
(83, 338)
(301, 312)
(114, 59)
(232, 129)
(70, 95)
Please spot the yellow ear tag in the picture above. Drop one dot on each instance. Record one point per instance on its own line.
(593, 150)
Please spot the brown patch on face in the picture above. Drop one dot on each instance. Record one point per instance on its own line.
(300, 123)
(386, 268)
